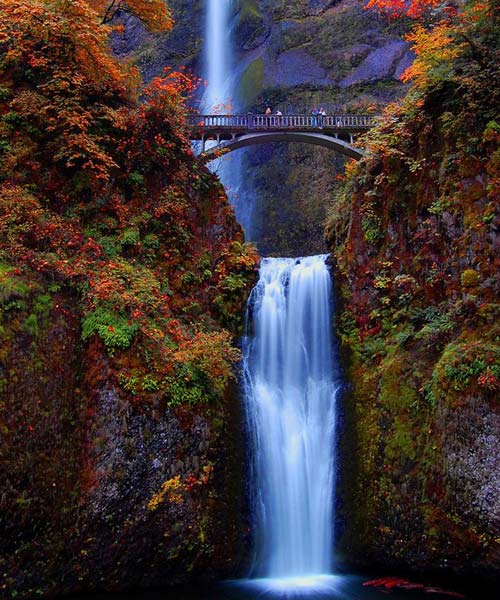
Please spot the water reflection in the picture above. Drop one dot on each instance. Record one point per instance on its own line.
(322, 587)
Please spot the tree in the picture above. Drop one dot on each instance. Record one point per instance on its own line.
(64, 97)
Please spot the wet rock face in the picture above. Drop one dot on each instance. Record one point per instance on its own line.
(157, 509)
(297, 67)
(153, 53)
(252, 27)
(118, 495)
(471, 448)
(389, 61)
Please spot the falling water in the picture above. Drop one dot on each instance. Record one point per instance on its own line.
(218, 56)
(291, 381)
(220, 97)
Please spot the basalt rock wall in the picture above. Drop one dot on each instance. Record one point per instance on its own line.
(123, 284)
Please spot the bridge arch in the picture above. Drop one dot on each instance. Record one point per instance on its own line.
(305, 137)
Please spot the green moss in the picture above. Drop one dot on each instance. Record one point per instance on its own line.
(464, 365)
(30, 325)
(438, 327)
(469, 278)
(111, 245)
(182, 393)
(396, 390)
(130, 237)
(150, 384)
(250, 25)
(42, 306)
(151, 242)
(371, 223)
(252, 81)
(136, 179)
(11, 287)
(129, 383)
(400, 443)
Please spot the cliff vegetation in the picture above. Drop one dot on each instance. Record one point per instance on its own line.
(123, 277)
(415, 233)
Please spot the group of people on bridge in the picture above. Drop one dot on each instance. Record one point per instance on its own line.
(317, 115)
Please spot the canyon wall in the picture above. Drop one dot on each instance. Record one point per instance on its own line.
(123, 283)
(415, 240)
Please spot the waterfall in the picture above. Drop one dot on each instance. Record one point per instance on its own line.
(291, 378)
(218, 55)
(220, 97)
(290, 382)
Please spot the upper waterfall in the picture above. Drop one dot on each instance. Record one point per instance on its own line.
(220, 98)
(217, 55)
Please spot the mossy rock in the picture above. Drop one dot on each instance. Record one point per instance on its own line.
(396, 390)
(251, 29)
(251, 81)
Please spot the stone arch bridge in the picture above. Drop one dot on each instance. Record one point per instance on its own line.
(230, 132)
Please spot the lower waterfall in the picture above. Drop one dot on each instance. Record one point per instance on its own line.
(291, 379)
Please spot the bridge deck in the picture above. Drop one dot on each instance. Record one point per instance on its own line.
(230, 132)
(201, 124)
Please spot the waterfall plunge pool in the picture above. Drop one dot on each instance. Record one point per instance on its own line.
(336, 587)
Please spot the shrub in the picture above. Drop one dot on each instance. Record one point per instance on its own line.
(469, 278)
(115, 330)
(465, 365)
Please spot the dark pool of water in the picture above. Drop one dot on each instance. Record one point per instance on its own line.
(341, 587)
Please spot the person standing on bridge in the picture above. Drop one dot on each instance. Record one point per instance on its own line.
(314, 120)
(321, 114)
(269, 111)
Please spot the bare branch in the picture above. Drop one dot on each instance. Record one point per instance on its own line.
(111, 11)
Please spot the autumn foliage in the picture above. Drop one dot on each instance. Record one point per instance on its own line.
(416, 9)
(415, 234)
(122, 272)
(100, 193)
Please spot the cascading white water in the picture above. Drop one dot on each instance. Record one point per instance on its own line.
(218, 56)
(290, 387)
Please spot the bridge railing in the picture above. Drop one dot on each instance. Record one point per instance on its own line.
(250, 121)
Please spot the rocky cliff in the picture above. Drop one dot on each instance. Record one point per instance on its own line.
(416, 237)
